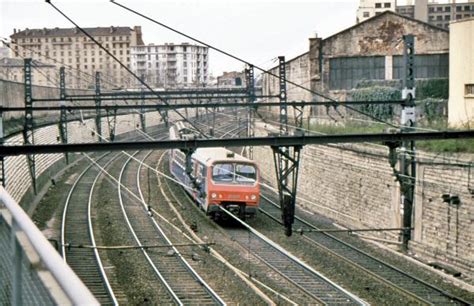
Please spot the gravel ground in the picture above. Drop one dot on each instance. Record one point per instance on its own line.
(135, 279)
(134, 276)
(423, 272)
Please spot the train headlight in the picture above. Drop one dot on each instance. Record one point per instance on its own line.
(213, 195)
(253, 197)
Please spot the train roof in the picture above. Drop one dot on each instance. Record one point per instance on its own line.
(206, 155)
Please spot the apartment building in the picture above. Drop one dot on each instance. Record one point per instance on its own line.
(171, 65)
(82, 57)
(438, 13)
(4, 52)
(231, 79)
(461, 72)
(12, 69)
(371, 8)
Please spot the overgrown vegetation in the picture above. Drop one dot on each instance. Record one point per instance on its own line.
(437, 146)
(377, 93)
(431, 101)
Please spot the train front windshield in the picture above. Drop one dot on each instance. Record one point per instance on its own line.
(234, 173)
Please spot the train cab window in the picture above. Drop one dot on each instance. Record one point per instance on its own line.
(223, 172)
(245, 173)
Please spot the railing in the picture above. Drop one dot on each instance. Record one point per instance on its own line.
(31, 270)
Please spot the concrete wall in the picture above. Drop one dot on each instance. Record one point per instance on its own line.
(354, 185)
(16, 167)
(461, 71)
(12, 94)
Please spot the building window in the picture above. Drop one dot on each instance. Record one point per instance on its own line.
(439, 9)
(439, 17)
(458, 16)
(458, 8)
(467, 8)
(447, 9)
(378, 13)
(447, 17)
(366, 14)
(386, 4)
(431, 9)
(469, 89)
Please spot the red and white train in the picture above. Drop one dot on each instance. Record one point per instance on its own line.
(218, 177)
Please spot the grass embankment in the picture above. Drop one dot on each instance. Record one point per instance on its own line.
(437, 146)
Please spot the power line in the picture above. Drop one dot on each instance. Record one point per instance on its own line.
(125, 67)
(248, 63)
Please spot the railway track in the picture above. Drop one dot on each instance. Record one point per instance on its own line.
(77, 230)
(184, 286)
(401, 281)
(315, 285)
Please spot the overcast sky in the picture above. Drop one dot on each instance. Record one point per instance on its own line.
(255, 30)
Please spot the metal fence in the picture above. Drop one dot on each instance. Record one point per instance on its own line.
(31, 270)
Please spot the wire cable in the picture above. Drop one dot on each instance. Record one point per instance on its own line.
(248, 63)
(125, 67)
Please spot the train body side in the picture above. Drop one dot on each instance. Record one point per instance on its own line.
(238, 192)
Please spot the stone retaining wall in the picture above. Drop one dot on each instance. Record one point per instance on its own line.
(354, 185)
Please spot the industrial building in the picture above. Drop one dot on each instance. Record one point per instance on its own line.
(368, 51)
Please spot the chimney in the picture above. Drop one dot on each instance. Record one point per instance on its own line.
(111, 29)
(14, 30)
(315, 57)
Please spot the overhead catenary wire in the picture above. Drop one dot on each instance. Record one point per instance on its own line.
(247, 63)
(122, 65)
(44, 56)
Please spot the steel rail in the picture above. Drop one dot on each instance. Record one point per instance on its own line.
(99, 292)
(195, 275)
(64, 222)
(66, 206)
(50, 260)
(145, 253)
(348, 295)
(92, 236)
(379, 262)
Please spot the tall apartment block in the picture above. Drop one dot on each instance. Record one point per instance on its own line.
(438, 13)
(82, 58)
(370, 8)
(171, 65)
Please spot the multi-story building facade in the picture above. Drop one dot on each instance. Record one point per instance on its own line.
(370, 8)
(233, 78)
(4, 52)
(438, 13)
(80, 55)
(171, 65)
(12, 69)
(461, 74)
